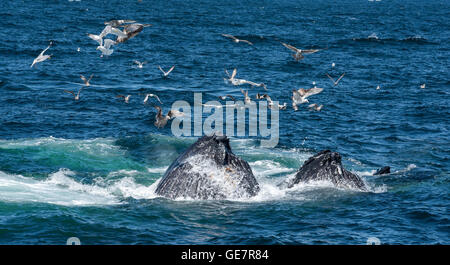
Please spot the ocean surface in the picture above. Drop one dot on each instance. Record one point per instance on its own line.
(89, 168)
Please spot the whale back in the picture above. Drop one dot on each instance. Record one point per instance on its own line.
(327, 166)
(208, 169)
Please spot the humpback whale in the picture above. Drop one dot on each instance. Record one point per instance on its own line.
(208, 170)
(383, 170)
(327, 166)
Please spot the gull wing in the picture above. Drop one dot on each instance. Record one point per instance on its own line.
(170, 70)
(160, 69)
(234, 73)
(48, 47)
(290, 47)
(174, 113)
(312, 91)
(70, 92)
(84, 79)
(340, 78)
(229, 36)
(107, 43)
(246, 41)
(310, 51)
(332, 80)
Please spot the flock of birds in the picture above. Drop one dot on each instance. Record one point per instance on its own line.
(127, 29)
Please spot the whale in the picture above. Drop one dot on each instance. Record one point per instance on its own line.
(208, 170)
(383, 170)
(327, 166)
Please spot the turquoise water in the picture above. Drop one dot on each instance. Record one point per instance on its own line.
(89, 169)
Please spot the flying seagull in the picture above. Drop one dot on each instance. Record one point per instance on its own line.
(165, 74)
(227, 96)
(75, 96)
(139, 64)
(151, 95)
(315, 107)
(300, 96)
(131, 30)
(236, 40)
(337, 81)
(422, 86)
(298, 55)
(237, 82)
(247, 99)
(125, 98)
(106, 47)
(107, 30)
(41, 57)
(86, 81)
(161, 120)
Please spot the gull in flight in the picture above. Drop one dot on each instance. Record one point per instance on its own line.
(147, 96)
(237, 82)
(106, 47)
(247, 99)
(236, 40)
(125, 98)
(165, 74)
(337, 81)
(86, 81)
(75, 96)
(270, 104)
(301, 95)
(139, 64)
(227, 96)
(422, 86)
(378, 87)
(130, 30)
(107, 30)
(41, 57)
(161, 120)
(298, 55)
(315, 107)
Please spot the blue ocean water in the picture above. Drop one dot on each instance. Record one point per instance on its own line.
(88, 169)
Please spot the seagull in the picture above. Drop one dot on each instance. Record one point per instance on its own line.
(151, 95)
(227, 96)
(237, 82)
(337, 81)
(41, 57)
(165, 74)
(270, 104)
(161, 120)
(422, 86)
(118, 22)
(378, 87)
(333, 65)
(315, 107)
(300, 96)
(105, 48)
(298, 55)
(139, 64)
(107, 30)
(86, 81)
(258, 96)
(131, 30)
(247, 99)
(236, 40)
(75, 96)
(126, 98)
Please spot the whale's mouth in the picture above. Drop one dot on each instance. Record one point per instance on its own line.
(113, 171)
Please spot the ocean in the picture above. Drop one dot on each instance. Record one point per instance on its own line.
(89, 168)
